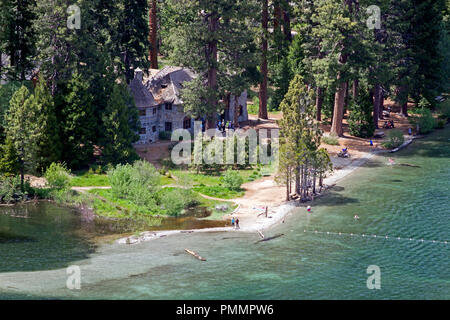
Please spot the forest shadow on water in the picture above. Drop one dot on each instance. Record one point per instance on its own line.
(44, 236)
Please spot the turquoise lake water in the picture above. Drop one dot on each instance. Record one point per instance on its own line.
(410, 200)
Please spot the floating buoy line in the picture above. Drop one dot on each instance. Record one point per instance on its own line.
(375, 236)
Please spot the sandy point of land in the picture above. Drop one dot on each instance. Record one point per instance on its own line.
(259, 194)
(266, 192)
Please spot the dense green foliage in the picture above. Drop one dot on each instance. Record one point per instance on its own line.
(394, 138)
(424, 120)
(232, 180)
(301, 160)
(11, 190)
(58, 176)
(63, 94)
(360, 120)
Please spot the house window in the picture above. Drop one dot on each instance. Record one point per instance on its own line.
(143, 131)
(168, 126)
(154, 129)
(168, 106)
(154, 110)
(187, 123)
(142, 112)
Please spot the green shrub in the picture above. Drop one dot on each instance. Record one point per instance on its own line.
(394, 138)
(165, 135)
(232, 180)
(137, 182)
(444, 108)
(58, 176)
(424, 103)
(440, 124)
(10, 191)
(360, 121)
(331, 140)
(173, 201)
(423, 118)
(9, 161)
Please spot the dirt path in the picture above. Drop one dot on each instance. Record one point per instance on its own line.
(84, 189)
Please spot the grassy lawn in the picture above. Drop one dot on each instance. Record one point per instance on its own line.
(166, 181)
(200, 180)
(114, 207)
(219, 192)
(87, 179)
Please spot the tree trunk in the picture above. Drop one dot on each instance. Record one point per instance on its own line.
(339, 100)
(153, 35)
(319, 103)
(405, 109)
(211, 58)
(338, 112)
(376, 105)
(381, 104)
(236, 112)
(227, 102)
(355, 88)
(287, 186)
(277, 14)
(314, 182)
(346, 99)
(287, 25)
(297, 181)
(263, 85)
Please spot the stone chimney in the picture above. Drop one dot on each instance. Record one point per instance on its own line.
(138, 74)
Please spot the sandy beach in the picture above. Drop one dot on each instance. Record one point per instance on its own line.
(266, 192)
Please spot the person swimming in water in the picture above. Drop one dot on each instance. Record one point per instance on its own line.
(356, 217)
(308, 208)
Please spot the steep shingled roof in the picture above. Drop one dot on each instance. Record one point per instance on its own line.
(165, 85)
(162, 87)
(142, 97)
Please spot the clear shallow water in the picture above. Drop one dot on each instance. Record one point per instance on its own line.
(410, 199)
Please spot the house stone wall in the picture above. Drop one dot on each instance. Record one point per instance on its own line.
(242, 101)
(176, 116)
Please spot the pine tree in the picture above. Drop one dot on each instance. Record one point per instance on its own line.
(6, 92)
(153, 34)
(300, 132)
(9, 159)
(132, 36)
(17, 36)
(263, 68)
(216, 26)
(23, 131)
(120, 121)
(77, 122)
(49, 143)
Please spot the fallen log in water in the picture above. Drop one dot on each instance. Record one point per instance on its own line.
(271, 238)
(404, 145)
(195, 254)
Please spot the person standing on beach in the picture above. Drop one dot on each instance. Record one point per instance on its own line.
(232, 222)
(237, 224)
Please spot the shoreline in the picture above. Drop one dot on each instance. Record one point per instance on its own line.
(250, 221)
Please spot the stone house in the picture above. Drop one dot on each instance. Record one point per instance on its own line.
(161, 108)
